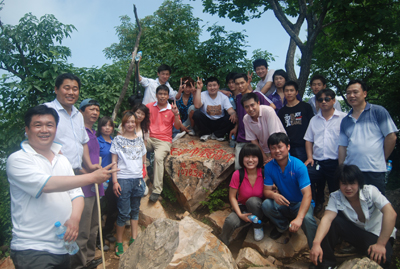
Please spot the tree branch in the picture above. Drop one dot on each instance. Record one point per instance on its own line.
(130, 70)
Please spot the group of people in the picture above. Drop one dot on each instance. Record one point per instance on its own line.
(286, 151)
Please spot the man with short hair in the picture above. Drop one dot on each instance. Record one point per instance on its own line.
(318, 83)
(163, 116)
(259, 123)
(295, 117)
(265, 85)
(242, 84)
(44, 190)
(210, 117)
(291, 208)
(322, 146)
(367, 136)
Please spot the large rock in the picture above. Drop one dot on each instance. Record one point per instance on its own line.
(286, 246)
(393, 197)
(248, 257)
(154, 248)
(217, 218)
(197, 168)
(199, 248)
(357, 263)
(7, 263)
(150, 211)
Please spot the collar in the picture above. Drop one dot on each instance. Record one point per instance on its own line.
(276, 163)
(93, 131)
(166, 83)
(367, 107)
(168, 106)
(335, 113)
(60, 107)
(26, 147)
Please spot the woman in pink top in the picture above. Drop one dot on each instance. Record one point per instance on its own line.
(245, 197)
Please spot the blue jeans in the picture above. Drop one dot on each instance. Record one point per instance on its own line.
(281, 216)
(132, 190)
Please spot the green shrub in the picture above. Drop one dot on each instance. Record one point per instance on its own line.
(5, 210)
(216, 200)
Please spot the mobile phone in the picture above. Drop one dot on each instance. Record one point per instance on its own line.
(170, 101)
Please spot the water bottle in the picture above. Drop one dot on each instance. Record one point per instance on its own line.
(388, 170)
(71, 247)
(232, 102)
(232, 142)
(105, 185)
(254, 218)
(138, 55)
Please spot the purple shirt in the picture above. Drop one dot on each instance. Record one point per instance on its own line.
(241, 136)
(276, 99)
(94, 153)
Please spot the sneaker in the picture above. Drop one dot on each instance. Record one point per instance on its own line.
(275, 234)
(191, 131)
(111, 238)
(182, 134)
(146, 191)
(105, 247)
(258, 234)
(154, 197)
(204, 138)
(214, 137)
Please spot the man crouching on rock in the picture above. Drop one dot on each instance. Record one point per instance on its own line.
(359, 213)
(44, 190)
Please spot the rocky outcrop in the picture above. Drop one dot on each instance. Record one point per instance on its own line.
(357, 263)
(248, 257)
(199, 248)
(393, 197)
(150, 211)
(197, 168)
(154, 248)
(286, 246)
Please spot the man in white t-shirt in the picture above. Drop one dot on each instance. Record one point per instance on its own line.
(44, 190)
(210, 118)
(265, 85)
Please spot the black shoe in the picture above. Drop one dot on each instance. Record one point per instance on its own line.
(318, 208)
(111, 238)
(154, 197)
(275, 234)
(105, 247)
(93, 264)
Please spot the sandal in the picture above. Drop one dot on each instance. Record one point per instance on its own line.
(119, 249)
(131, 241)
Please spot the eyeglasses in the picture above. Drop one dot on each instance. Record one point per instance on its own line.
(327, 99)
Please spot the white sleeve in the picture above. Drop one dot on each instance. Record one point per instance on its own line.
(309, 136)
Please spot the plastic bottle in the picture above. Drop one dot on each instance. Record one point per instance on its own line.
(232, 142)
(232, 102)
(388, 170)
(105, 184)
(138, 55)
(71, 247)
(253, 218)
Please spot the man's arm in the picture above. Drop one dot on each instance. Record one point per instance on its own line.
(342, 154)
(377, 251)
(197, 98)
(233, 118)
(86, 160)
(323, 228)
(266, 87)
(234, 130)
(389, 143)
(271, 193)
(72, 223)
(309, 151)
(304, 206)
(175, 110)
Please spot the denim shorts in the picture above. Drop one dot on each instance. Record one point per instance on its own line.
(132, 191)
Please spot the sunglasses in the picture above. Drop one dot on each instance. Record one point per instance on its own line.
(327, 99)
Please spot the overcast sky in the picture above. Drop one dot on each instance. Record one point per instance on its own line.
(95, 21)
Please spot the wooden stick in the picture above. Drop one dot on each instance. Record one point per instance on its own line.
(100, 228)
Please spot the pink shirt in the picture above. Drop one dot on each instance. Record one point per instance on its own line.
(267, 124)
(246, 190)
(161, 122)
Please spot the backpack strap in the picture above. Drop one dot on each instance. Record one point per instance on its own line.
(241, 177)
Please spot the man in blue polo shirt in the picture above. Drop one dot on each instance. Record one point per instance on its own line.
(367, 136)
(291, 208)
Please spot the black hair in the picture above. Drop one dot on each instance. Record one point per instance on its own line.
(320, 77)
(280, 72)
(91, 103)
(40, 110)
(349, 174)
(162, 88)
(164, 67)
(60, 79)
(355, 81)
(230, 76)
(242, 75)
(327, 92)
(259, 62)
(251, 149)
(103, 122)
(291, 83)
(145, 124)
(277, 138)
(212, 79)
(249, 96)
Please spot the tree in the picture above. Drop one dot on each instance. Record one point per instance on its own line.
(316, 14)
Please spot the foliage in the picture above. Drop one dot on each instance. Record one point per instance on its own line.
(216, 200)
(168, 192)
(5, 210)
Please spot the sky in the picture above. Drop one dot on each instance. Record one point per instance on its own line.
(96, 20)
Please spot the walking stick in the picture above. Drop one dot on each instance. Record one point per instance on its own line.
(100, 228)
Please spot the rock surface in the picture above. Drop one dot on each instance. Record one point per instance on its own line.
(197, 168)
(154, 248)
(150, 211)
(286, 246)
(7, 263)
(199, 248)
(393, 197)
(249, 257)
(357, 263)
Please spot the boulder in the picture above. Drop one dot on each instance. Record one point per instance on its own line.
(248, 257)
(197, 168)
(357, 263)
(150, 211)
(7, 263)
(199, 248)
(217, 218)
(286, 246)
(393, 197)
(153, 248)
(298, 265)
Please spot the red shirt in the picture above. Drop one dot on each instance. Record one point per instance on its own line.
(161, 122)
(247, 191)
